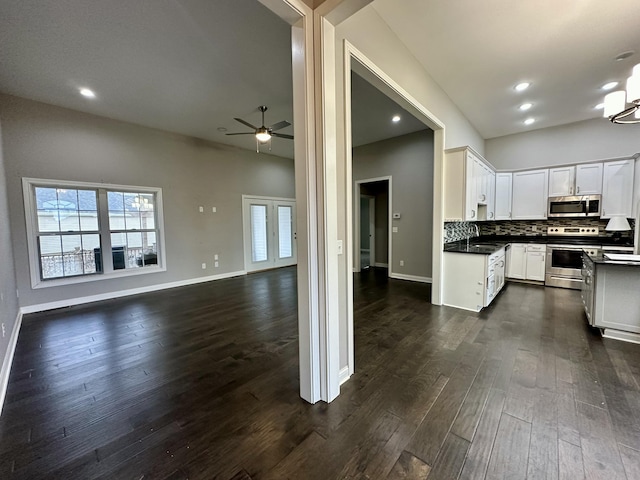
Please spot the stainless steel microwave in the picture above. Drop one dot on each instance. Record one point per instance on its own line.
(575, 206)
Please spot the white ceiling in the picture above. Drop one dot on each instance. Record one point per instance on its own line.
(190, 66)
(478, 50)
(185, 66)
(371, 113)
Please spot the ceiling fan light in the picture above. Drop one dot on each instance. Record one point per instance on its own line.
(614, 102)
(263, 136)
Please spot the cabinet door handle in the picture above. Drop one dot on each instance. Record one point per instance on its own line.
(490, 214)
(578, 189)
(473, 214)
(570, 190)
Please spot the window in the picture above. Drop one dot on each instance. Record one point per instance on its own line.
(70, 225)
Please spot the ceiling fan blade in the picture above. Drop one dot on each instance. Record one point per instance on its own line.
(279, 125)
(282, 135)
(245, 123)
(241, 133)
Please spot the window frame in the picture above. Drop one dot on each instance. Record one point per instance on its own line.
(104, 232)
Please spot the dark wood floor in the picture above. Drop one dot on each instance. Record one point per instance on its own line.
(201, 382)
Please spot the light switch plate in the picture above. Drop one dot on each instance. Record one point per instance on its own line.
(395, 230)
(339, 247)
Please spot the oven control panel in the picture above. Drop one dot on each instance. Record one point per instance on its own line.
(578, 231)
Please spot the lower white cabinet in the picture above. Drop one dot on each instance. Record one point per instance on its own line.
(472, 281)
(527, 262)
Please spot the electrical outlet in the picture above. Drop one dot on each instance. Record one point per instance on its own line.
(4, 332)
(402, 263)
(215, 265)
(204, 265)
(215, 257)
(201, 209)
(214, 209)
(534, 228)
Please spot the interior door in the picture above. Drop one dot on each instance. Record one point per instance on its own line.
(269, 233)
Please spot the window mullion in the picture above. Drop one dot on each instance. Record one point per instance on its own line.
(105, 237)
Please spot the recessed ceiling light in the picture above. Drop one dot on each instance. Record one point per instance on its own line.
(522, 86)
(529, 121)
(609, 86)
(395, 119)
(85, 92)
(599, 106)
(525, 106)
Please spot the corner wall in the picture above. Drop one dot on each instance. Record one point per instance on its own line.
(44, 141)
(8, 300)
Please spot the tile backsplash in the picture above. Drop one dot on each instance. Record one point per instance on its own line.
(455, 231)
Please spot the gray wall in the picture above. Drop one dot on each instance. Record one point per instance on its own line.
(9, 302)
(44, 141)
(578, 142)
(409, 160)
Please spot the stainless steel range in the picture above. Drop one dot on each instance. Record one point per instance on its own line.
(564, 259)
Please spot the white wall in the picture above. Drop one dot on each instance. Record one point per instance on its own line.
(409, 160)
(367, 32)
(578, 142)
(8, 299)
(44, 141)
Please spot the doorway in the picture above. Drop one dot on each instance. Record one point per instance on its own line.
(269, 231)
(367, 231)
(373, 220)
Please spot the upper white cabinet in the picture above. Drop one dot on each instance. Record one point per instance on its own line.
(468, 186)
(575, 180)
(530, 193)
(617, 188)
(589, 179)
(561, 181)
(503, 196)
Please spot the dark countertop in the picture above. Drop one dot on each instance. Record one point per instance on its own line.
(481, 248)
(488, 244)
(600, 259)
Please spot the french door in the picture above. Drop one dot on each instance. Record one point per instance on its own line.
(269, 232)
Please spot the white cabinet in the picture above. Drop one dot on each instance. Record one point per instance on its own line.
(530, 193)
(517, 267)
(589, 179)
(617, 188)
(526, 262)
(583, 179)
(536, 262)
(467, 186)
(472, 281)
(491, 201)
(503, 196)
(561, 181)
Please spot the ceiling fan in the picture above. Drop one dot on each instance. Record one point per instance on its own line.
(263, 134)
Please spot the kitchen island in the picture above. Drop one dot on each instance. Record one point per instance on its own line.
(473, 274)
(611, 296)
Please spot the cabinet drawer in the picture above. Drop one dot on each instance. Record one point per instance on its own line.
(536, 248)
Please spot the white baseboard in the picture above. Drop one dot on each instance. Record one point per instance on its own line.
(382, 265)
(8, 359)
(343, 376)
(411, 278)
(125, 293)
(620, 335)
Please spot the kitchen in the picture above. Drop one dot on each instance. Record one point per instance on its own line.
(566, 226)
